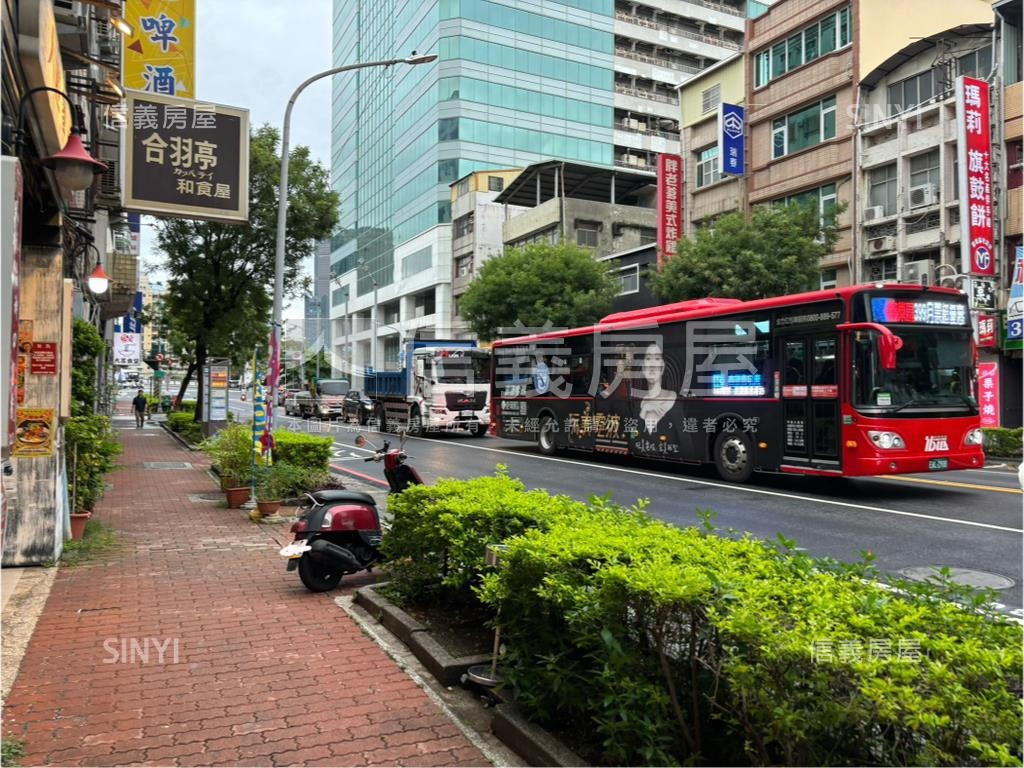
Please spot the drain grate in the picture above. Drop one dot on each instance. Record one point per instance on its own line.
(166, 465)
(966, 576)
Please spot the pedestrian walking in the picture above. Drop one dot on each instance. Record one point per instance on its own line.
(139, 406)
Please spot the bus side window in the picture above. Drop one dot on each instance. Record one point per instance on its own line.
(794, 373)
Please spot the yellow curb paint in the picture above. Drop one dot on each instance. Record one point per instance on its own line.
(951, 483)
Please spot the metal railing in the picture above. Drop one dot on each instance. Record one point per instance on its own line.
(657, 61)
(643, 21)
(650, 95)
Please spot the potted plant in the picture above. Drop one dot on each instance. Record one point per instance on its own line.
(232, 453)
(269, 486)
(89, 453)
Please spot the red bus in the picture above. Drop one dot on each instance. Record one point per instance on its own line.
(864, 380)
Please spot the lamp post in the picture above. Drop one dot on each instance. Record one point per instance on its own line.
(282, 199)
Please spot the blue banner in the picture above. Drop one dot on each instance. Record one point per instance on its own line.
(731, 129)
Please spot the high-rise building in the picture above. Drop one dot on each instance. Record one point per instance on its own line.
(516, 83)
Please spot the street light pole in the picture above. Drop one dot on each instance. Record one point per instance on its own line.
(282, 198)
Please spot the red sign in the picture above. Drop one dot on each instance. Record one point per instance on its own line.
(974, 152)
(44, 358)
(670, 206)
(986, 331)
(988, 394)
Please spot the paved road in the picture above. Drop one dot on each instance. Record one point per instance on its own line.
(970, 519)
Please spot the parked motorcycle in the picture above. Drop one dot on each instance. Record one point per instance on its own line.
(340, 531)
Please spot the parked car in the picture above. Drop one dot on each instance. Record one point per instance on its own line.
(285, 392)
(356, 407)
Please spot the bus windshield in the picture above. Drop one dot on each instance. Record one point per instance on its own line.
(933, 372)
(466, 369)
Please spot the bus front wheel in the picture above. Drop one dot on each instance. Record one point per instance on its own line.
(734, 456)
(546, 439)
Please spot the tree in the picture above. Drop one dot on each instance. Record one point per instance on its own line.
(219, 293)
(775, 252)
(560, 284)
(86, 346)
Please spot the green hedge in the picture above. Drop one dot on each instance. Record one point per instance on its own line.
(90, 448)
(177, 421)
(1004, 442)
(656, 646)
(308, 452)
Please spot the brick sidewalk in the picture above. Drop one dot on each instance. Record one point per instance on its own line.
(245, 667)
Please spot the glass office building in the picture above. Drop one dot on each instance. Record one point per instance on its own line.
(515, 83)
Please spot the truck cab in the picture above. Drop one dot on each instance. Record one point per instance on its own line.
(324, 400)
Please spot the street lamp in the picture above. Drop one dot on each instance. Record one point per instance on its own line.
(282, 199)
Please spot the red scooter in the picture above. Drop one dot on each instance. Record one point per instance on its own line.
(340, 531)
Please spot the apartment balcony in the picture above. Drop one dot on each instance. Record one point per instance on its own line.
(657, 61)
(657, 32)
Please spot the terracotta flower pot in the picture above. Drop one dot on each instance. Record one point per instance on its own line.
(268, 508)
(78, 521)
(237, 496)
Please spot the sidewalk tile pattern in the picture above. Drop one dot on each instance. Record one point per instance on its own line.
(189, 644)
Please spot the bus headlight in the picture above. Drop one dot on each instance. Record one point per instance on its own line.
(974, 437)
(887, 441)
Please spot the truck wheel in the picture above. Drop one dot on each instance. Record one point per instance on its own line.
(415, 423)
(546, 440)
(479, 430)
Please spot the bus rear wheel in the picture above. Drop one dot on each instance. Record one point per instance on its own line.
(734, 457)
(546, 440)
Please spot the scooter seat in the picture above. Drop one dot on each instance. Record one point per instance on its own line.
(356, 497)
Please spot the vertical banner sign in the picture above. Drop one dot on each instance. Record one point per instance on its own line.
(988, 393)
(160, 54)
(670, 211)
(731, 139)
(1015, 306)
(986, 336)
(217, 394)
(10, 263)
(974, 153)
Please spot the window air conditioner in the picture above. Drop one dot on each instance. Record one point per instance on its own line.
(922, 195)
(882, 244)
(874, 212)
(920, 272)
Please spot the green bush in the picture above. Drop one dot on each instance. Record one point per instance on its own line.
(178, 421)
(654, 645)
(233, 452)
(89, 451)
(187, 405)
(664, 645)
(1004, 442)
(439, 533)
(281, 480)
(311, 452)
(86, 346)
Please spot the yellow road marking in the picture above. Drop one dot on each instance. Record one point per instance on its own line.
(951, 483)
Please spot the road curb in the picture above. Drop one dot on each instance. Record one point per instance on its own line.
(529, 741)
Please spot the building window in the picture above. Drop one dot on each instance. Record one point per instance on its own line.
(462, 188)
(912, 91)
(1014, 164)
(710, 98)
(628, 279)
(824, 198)
(416, 262)
(977, 63)
(447, 170)
(464, 266)
(829, 279)
(444, 212)
(495, 183)
(805, 128)
(424, 304)
(587, 232)
(708, 171)
(448, 129)
(924, 169)
(463, 225)
(881, 270)
(831, 33)
(339, 296)
(883, 189)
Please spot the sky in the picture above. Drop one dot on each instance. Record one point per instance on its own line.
(253, 55)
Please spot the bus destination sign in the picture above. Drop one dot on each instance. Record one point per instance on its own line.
(929, 312)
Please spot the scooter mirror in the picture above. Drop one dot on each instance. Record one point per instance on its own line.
(360, 441)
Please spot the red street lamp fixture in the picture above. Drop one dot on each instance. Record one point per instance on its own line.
(98, 280)
(73, 167)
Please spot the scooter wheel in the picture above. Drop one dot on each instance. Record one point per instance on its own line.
(317, 574)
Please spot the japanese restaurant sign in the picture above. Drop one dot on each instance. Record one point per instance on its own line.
(43, 360)
(974, 154)
(33, 432)
(670, 206)
(186, 158)
(160, 54)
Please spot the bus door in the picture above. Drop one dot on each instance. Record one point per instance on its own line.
(810, 399)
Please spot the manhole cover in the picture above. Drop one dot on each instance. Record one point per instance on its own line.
(166, 465)
(965, 576)
(205, 498)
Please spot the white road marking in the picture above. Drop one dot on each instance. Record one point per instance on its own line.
(741, 488)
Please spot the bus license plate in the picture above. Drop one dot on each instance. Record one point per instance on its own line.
(938, 464)
(466, 413)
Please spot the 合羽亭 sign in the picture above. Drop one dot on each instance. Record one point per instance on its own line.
(988, 394)
(43, 360)
(33, 433)
(974, 155)
(670, 205)
(186, 158)
(127, 348)
(160, 54)
(731, 126)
